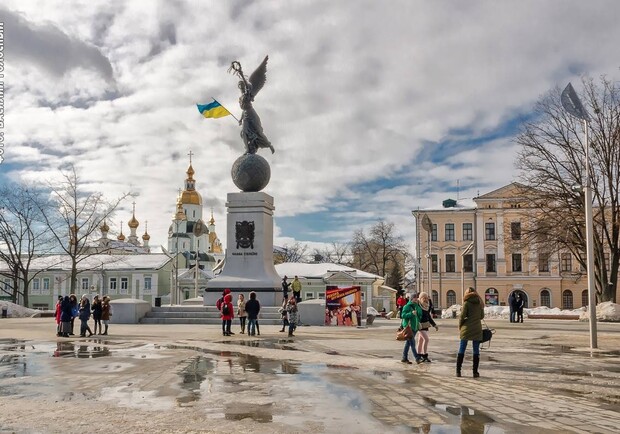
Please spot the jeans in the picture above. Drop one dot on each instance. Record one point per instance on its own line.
(463, 347)
(410, 343)
(251, 326)
(291, 328)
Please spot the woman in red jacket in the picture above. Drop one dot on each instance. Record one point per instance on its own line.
(58, 311)
(227, 314)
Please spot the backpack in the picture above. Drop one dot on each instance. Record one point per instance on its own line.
(225, 309)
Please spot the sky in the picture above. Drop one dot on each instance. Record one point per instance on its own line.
(374, 108)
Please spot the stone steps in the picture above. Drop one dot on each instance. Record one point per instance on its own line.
(202, 315)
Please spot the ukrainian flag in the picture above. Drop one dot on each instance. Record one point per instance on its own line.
(213, 110)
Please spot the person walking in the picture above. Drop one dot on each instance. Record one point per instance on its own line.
(57, 316)
(227, 314)
(284, 315)
(84, 315)
(291, 309)
(285, 288)
(410, 316)
(401, 301)
(296, 287)
(66, 315)
(512, 305)
(75, 310)
(470, 329)
(252, 308)
(520, 304)
(426, 321)
(106, 312)
(241, 312)
(97, 309)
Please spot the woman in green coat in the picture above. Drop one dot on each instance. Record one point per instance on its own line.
(410, 316)
(470, 328)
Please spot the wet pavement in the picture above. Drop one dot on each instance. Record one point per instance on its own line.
(536, 377)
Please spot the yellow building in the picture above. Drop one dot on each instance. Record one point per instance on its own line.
(480, 245)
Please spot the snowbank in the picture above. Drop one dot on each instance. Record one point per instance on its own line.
(503, 312)
(606, 311)
(17, 311)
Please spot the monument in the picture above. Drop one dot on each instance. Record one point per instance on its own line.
(249, 247)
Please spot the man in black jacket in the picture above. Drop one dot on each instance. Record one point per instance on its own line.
(252, 308)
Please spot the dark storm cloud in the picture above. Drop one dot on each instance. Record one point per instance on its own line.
(49, 47)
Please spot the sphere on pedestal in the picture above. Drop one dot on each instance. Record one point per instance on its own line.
(251, 173)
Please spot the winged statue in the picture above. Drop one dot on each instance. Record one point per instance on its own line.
(251, 127)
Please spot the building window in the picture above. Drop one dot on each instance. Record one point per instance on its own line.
(449, 231)
(565, 262)
(84, 285)
(124, 285)
(543, 262)
(309, 296)
(515, 230)
(46, 283)
(434, 232)
(468, 263)
(468, 232)
(321, 295)
(435, 297)
(567, 299)
(35, 287)
(450, 263)
(490, 263)
(491, 297)
(148, 283)
(545, 298)
(434, 263)
(451, 298)
(516, 263)
(112, 285)
(489, 231)
(584, 297)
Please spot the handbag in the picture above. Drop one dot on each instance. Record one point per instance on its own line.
(425, 325)
(487, 333)
(404, 334)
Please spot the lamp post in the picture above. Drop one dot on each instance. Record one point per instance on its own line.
(427, 224)
(572, 104)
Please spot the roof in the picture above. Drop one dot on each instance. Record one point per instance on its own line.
(109, 262)
(319, 270)
(510, 191)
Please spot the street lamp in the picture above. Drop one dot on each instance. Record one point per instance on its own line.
(572, 104)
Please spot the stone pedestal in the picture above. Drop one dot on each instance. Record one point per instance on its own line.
(249, 251)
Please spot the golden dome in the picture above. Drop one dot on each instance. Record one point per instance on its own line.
(121, 237)
(180, 215)
(146, 236)
(133, 223)
(190, 171)
(104, 227)
(191, 197)
(212, 221)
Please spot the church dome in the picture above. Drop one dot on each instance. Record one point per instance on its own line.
(146, 236)
(104, 227)
(121, 237)
(133, 223)
(191, 197)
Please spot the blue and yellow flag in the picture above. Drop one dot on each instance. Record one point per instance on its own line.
(213, 110)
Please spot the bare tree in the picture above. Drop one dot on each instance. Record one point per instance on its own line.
(75, 218)
(551, 161)
(336, 253)
(290, 253)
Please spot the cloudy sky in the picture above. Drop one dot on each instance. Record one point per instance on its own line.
(375, 108)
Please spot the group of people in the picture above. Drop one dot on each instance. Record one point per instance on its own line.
(290, 315)
(68, 309)
(295, 285)
(516, 304)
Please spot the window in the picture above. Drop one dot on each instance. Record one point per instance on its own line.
(565, 262)
(450, 263)
(36, 287)
(468, 263)
(309, 296)
(148, 283)
(435, 297)
(489, 231)
(606, 259)
(321, 295)
(490, 263)
(84, 284)
(468, 233)
(434, 263)
(434, 232)
(545, 298)
(46, 286)
(567, 299)
(124, 285)
(584, 297)
(112, 285)
(515, 230)
(543, 262)
(516, 263)
(451, 298)
(449, 231)
(491, 297)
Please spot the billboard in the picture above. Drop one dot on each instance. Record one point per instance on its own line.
(343, 306)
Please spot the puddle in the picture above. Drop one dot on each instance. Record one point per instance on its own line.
(81, 351)
(261, 413)
(279, 344)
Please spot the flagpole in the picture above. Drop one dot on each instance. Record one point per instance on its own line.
(226, 109)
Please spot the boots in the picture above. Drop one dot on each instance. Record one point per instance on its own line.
(476, 363)
(459, 364)
(106, 330)
(95, 332)
(425, 358)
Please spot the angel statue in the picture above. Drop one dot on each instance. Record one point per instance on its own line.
(251, 128)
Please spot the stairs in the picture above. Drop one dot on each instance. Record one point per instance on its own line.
(189, 314)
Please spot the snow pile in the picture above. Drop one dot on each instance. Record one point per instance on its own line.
(17, 311)
(503, 312)
(606, 311)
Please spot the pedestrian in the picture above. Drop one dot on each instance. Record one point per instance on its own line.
(66, 315)
(296, 286)
(426, 321)
(84, 315)
(412, 312)
(512, 304)
(97, 309)
(227, 314)
(241, 312)
(401, 301)
(285, 287)
(57, 315)
(106, 313)
(75, 310)
(252, 308)
(470, 328)
(284, 314)
(291, 310)
(520, 304)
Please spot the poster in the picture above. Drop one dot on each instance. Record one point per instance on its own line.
(343, 306)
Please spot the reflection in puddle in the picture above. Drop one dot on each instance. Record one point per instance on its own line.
(83, 351)
(278, 344)
(471, 421)
(259, 413)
